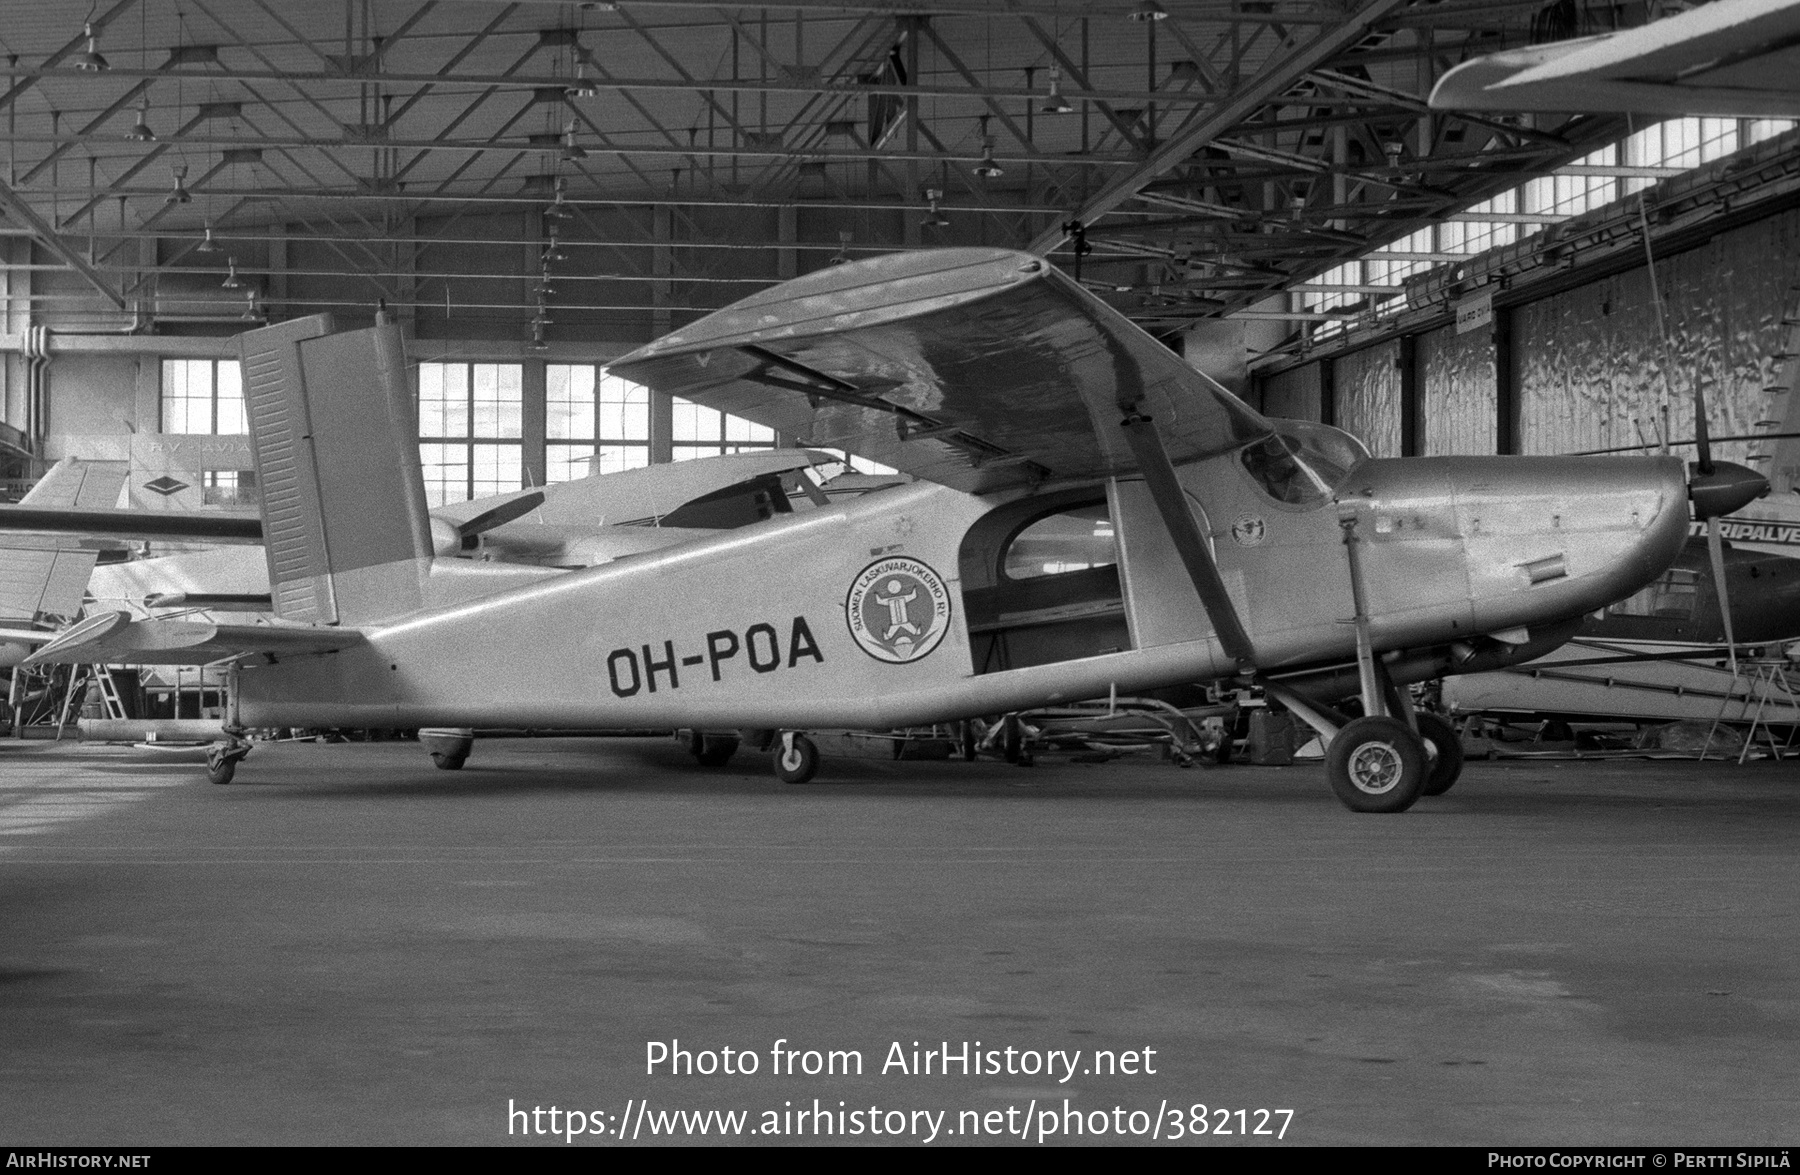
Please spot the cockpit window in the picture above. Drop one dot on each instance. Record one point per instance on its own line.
(1074, 540)
(1302, 463)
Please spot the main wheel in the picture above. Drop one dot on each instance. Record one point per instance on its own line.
(796, 759)
(448, 762)
(221, 773)
(1376, 765)
(716, 750)
(1444, 750)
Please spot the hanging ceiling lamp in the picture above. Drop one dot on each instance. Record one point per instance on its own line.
(231, 281)
(1149, 10)
(180, 195)
(934, 216)
(89, 60)
(1054, 102)
(140, 131)
(207, 244)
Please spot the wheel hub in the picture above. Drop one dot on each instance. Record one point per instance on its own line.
(1376, 768)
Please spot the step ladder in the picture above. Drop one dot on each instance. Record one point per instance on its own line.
(1768, 698)
(80, 678)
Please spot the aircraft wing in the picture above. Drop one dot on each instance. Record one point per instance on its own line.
(974, 368)
(1730, 58)
(113, 638)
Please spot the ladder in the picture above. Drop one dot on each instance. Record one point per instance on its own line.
(79, 678)
(1766, 685)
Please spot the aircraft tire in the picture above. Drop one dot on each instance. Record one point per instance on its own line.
(1376, 765)
(796, 759)
(1444, 751)
(448, 762)
(716, 750)
(221, 773)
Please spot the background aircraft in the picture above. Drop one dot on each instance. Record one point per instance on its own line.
(1244, 550)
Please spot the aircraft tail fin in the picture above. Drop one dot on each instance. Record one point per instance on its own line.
(345, 525)
(41, 576)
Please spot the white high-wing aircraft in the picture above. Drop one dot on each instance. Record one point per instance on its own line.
(41, 576)
(1243, 548)
(1729, 59)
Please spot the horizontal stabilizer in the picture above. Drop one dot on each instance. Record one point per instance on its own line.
(112, 638)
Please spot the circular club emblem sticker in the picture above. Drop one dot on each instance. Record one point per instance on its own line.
(1249, 530)
(898, 610)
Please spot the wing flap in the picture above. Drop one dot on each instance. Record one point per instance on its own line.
(974, 368)
(112, 638)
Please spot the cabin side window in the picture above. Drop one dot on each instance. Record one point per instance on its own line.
(1041, 585)
(1671, 597)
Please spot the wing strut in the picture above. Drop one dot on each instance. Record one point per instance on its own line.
(1171, 502)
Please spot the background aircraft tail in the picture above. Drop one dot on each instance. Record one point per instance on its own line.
(43, 577)
(345, 525)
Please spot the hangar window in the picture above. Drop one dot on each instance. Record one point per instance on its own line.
(203, 396)
(593, 422)
(470, 417)
(700, 431)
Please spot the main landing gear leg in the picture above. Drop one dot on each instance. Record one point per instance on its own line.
(1379, 762)
(222, 758)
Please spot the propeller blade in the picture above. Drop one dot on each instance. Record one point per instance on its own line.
(503, 513)
(1716, 553)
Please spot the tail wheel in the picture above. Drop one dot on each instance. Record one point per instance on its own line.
(1377, 765)
(221, 773)
(796, 759)
(1444, 750)
(448, 762)
(716, 750)
(222, 760)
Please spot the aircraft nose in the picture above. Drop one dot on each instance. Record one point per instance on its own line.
(1726, 488)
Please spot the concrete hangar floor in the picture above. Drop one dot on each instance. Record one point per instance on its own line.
(348, 946)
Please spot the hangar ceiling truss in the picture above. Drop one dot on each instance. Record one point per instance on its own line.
(1205, 160)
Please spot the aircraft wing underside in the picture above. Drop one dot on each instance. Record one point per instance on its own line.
(1735, 58)
(112, 638)
(977, 369)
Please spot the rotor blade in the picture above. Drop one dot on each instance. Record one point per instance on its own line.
(1716, 553)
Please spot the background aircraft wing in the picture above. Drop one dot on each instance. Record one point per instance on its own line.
(974, 368)
(1731, 58)
(42, 576)
(113, 638)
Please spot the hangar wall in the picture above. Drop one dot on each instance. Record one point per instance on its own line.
(1587, 361)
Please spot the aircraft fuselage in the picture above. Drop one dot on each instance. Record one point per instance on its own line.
(873, 614)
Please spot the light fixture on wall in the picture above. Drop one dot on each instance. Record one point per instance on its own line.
(89, 60)
(1148, 10)
(1054, 102)
(140, 131)
(934, 216)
